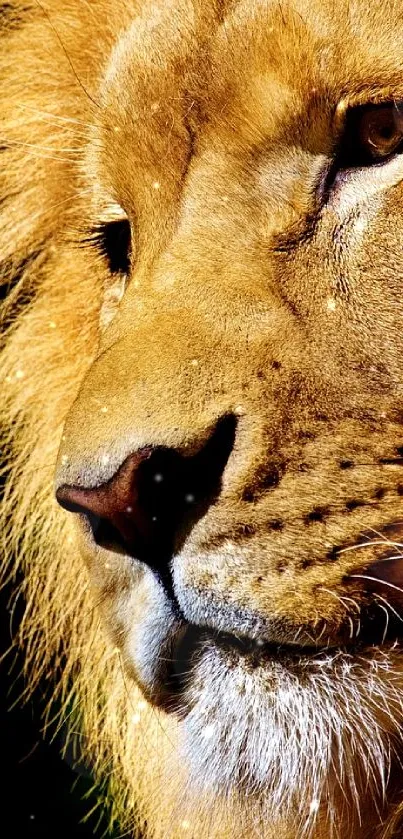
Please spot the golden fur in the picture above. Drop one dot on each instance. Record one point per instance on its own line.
(209, 122)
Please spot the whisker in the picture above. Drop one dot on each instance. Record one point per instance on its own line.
(49, 157)
(322, 632)
(389, 558)
(385, 611)
(369, 544)
(389, 605)
(10, 143)
(356, 606)
(342, 598)
(378, 533)
(57, 117)
(297, 634)
(56, 34)
(69, 199)
(376, 580)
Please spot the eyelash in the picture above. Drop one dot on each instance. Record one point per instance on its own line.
(113, 242)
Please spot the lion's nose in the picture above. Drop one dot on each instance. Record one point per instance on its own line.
(149, 505)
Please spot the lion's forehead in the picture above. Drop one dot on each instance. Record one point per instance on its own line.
(270, 59)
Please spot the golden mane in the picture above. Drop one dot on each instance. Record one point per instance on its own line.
(45, 112)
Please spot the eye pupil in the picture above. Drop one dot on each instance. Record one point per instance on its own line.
(380, 131)
(387, 132)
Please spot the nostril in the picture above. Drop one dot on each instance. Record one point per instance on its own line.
(105, 534)
(205, 469)
(149, 506)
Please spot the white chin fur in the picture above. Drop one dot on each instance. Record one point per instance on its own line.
(294, 733)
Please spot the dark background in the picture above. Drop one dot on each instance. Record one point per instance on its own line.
(41, 795)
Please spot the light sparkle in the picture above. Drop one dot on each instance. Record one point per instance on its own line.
(209, 732)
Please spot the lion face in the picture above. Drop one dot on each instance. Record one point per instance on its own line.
(235, 450)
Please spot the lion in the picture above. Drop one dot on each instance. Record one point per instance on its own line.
(202, 403)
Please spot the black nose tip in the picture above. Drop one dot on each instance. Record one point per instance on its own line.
(149, 506)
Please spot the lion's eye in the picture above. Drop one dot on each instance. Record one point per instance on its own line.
(113, 240)
(372, 134)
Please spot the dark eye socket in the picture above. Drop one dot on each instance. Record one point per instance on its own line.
(372, 134)
(113, 240)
